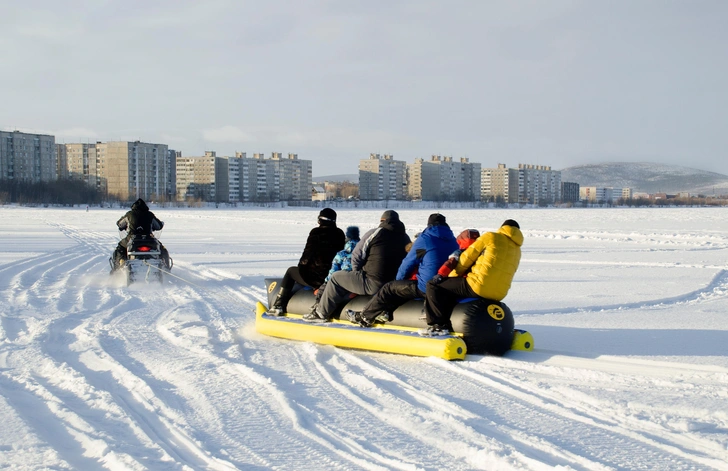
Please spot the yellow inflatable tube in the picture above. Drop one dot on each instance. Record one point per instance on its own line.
(402, 340)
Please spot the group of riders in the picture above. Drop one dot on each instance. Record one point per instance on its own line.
(387, 265)
(384, 263)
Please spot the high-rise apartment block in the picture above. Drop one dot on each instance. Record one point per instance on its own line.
(131, 170)
(243, 179)
(295, 177)
(203, 178)
(500, 184)
(382, 178)
(125, 170)
(27, 157)
(78, 162)
(540, 184)
(443, 178)
(533, 184)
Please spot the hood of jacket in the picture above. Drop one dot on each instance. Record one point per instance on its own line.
(512, 233)
(139, 205)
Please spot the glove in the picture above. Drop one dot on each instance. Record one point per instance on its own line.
(437, 279)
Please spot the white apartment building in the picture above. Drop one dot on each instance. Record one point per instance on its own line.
(27, 157)
(382, 178)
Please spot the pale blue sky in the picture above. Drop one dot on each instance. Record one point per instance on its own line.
(555, 82)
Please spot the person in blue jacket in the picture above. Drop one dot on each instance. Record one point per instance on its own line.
(429, 251)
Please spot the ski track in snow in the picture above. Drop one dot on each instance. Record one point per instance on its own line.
(97, 375)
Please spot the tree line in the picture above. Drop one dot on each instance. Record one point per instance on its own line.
(58, 192)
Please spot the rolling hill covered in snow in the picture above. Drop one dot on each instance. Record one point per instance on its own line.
(647, 177)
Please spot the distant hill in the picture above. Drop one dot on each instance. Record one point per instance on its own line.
(350, 177)
(647, 177)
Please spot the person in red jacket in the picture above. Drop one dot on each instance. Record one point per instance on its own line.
(465, 239)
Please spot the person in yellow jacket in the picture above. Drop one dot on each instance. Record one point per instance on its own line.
(484, 270)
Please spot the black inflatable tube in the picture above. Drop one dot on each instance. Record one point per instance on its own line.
(486, 325)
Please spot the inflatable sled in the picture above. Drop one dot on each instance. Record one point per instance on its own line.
(481, 326)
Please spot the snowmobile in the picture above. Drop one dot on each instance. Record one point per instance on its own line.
(144, 260)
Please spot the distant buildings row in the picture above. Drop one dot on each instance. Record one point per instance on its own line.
(130, 170)
(444, 178)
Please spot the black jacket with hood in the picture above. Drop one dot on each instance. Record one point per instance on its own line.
(139, 220)
(322, 245)
(381, 250)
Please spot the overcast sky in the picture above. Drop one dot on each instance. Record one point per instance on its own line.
(554, 82)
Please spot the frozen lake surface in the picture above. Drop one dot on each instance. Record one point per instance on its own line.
(628, 307)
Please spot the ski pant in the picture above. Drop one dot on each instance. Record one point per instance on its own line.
(341, 285)
(390, 297)
(293, 276)
(441, 298)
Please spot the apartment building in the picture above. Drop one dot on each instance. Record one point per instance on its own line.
(593, 194)
(500, 184)
(382, 178)
(569, 192)
(131, 170)
(78, 162)
(532, 184)
(443, 179)
(27, 157)
(204, 178)
(259, 179)
(294, 177)
(539, 184)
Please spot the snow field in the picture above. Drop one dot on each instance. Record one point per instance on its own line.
(628, 308)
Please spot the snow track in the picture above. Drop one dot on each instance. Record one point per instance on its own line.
(97, 375)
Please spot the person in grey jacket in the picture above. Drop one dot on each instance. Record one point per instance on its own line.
(375, 261)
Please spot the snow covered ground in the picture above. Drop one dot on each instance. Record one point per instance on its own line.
(629, 309)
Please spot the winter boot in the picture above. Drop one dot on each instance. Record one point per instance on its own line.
(279, 305)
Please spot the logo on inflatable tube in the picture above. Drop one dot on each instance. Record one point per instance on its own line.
(496, 312)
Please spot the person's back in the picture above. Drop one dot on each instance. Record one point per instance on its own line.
(491, 262)
(139, 220)
(381, 250)
(322, 245)
(428, 252)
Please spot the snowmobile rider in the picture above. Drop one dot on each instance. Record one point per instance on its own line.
(374, 262)
(484, 270)
(138, 221)
(429, 251)
(322, 245)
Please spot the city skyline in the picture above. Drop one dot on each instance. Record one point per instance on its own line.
(564, 83)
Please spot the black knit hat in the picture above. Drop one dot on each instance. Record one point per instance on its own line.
(327, 214)
(511, 222)
(352, 233)
(436, 219)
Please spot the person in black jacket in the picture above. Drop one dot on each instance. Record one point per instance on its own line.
(375, 261)
(138, 221)
(322, 245)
